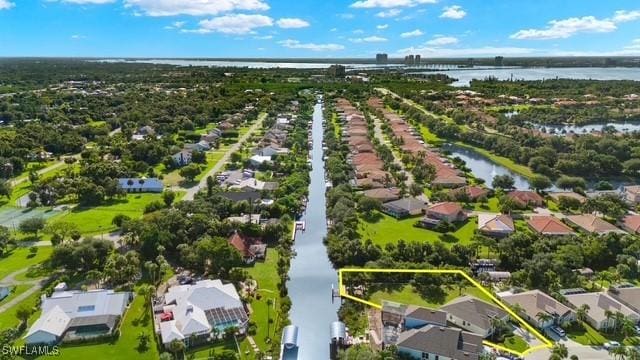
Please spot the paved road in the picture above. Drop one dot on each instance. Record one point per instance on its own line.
(583, 352)
(192, 191)
(380, 136)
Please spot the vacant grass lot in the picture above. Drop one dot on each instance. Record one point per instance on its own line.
(384, 229)
(21, 258)
(97, 219)
(408, 295)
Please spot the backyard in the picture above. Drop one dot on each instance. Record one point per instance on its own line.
(407, 294)
(22, 258)
(383, 229)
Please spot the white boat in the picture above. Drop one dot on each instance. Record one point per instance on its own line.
(289, 347)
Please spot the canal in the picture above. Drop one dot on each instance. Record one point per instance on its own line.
(312, 276)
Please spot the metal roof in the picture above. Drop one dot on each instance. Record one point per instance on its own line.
(290, 336)
(338, 330)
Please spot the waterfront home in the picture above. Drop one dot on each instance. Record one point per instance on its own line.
(183, 157)
(140, 185)
(495, 225)
(549, 225)
(200, 312)
(251, 249)
(73, 315)
(254, 184)
(600, 304)
(404, 207)
(417, 317)
(525, 198)
(557, 195)
(383, 194)
(445, 211)
(437, 342)
(472, 192)
(593, 224)
(474, 315)
(631, 223)
(535, 302)
(271, 151)
(245, 219)
(237, 196)
(258, 160)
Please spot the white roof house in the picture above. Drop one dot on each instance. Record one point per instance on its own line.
(257, 160)
(199, 308)
(65, 311)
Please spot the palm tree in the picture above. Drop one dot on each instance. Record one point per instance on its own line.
(269, 304)
(517, 308)
(582, 312)
(560, 350)
(176, 346)
(633, 353)
(608, 315)
(627, 328)
(619, 318)
(543, 318)
(619, 352)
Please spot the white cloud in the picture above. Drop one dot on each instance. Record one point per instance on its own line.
(333, 29)
(382, 27)
(292, 23)
(414, 33)
(369, 39)
(78, 37)
(635, 45)
(236, 24)
(265, 37)
(389, 13)
(368, 4)
(6, 4)
(192, 7)
(176, 25)
(442, 41)
(562, 29)
(295, 44)
(624, 15)
(427, 51)
(358, 31)
(453, 12)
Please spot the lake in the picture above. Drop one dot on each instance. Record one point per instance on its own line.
(312, 275)
(624, 127)
(465, 76)
(247, 64)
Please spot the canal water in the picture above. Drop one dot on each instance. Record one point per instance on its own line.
(623, 127)
(312, 276)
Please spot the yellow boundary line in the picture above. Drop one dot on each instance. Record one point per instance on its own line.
(546, 342)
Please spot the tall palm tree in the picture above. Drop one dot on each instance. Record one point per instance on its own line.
(619, 318)
(543, 318)
(560, 350)
(582, 312)
(608, 314)
(619, 352)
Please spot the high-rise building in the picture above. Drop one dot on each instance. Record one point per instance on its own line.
(418, 60)
(409, 60)
(499, 60)
(382, 59)
(337, 71)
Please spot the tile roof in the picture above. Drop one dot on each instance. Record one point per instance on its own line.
(593, 224)
(445, 208)
(631, 223)
(549, 225)
(495, 222)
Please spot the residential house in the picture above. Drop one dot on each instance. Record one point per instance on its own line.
(245, 219)
(183, 157)
(440, 343)
(472, 192)
(200, 312)
(632, 194)
(557, 195)
(629, 296)
(254, 184)
(498, 276)
(139, 185)
(404, 207)
(271, 151)
(257, 160)
(5, 290)
(600, 304)
(496, 225)
(474, 315)
(446, 211)
(593, 224)
(251, 249)
(383, 194)
(72, 315)
(524, 198)
(237, 196)
(631, 223)
(549, 225)
(417, 317)
(535, 304)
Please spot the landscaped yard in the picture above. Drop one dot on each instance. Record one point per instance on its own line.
(15, 291)
(585, 334)
(21, 258)
(386, 229)
(136, 321)
(97, 220)
(9, 319)
(516, 343)
(408, 295)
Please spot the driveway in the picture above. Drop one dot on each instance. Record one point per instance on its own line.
(583, 352)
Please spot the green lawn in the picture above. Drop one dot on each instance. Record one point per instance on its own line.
(430, 137)
(97, 220)
(516, 343)
(492, 205)
(8, 318)
(209, 352)
(20, 258)
(136, 321)
(386, 229)
(408, 295)
(17, 290)
(585, 334)
(212, 159)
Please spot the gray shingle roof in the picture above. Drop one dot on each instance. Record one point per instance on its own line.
(444, 341)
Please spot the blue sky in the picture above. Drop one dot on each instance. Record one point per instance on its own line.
(318, 28)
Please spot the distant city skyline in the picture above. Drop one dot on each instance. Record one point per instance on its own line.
(318, 29)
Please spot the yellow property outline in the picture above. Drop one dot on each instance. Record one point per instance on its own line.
(546, 342)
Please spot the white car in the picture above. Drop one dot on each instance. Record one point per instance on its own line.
(611, 345)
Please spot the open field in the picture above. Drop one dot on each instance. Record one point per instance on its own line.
(408, 295)
(385, 229)
(21, 258)
(97, 220)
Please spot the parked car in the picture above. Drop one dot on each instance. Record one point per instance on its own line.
(558, 330)
(611, 345)
(637, 327)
